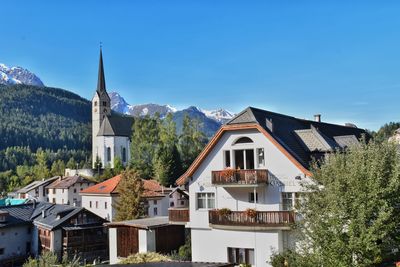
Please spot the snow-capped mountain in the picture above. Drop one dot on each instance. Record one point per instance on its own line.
(18, 75)
(220, 115)
(119, 104)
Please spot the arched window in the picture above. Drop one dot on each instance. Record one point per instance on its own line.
(243, 140)
(108, 153)
(95, 103)
(123, 154)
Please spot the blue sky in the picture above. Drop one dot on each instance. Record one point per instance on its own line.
(338, 59)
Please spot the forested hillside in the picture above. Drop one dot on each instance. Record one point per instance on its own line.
(43, 117)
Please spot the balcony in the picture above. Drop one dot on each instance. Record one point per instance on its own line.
(178, 215)
(232, 177)
(261, 221)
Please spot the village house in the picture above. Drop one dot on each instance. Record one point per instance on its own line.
(244, 185)
(70, 231)
(28, 229)
(36, 190)
(65, 190)
(101, 198)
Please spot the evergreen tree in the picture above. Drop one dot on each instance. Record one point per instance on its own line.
(57, 168)
(351, 215)
(71, 164)
(129, 205)
(191, 141)
(41, 170)
(118, 166)
(167, 163)
(144, 143)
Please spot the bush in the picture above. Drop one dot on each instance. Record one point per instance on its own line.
(224, 212)
(145, 257)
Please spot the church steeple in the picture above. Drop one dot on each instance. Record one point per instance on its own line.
(101, 81)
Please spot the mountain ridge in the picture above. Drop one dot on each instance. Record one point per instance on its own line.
(18, 75)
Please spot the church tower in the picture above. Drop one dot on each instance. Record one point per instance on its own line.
(101, 108)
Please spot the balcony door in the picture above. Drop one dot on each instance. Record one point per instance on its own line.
(244, 159)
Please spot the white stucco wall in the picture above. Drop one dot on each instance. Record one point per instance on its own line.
(116, 143)
(14, 240)
(162, 205)
(68, 195)
(147, 241)
(101, 210)
(283, 173)
(112, 235)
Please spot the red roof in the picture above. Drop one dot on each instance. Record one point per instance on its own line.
(151, 187)
(107, 187)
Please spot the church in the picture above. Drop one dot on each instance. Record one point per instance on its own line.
(111, 132)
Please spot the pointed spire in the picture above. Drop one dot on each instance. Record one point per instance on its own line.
(101, 82)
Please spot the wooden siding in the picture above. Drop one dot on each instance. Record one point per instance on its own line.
(127, 241)
(178, 214)
(239, 177)
(262, 218)
(169, 238)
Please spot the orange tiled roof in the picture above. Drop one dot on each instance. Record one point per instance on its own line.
(107, 187)
(151, 187)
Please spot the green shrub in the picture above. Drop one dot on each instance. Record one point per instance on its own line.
(145, 257)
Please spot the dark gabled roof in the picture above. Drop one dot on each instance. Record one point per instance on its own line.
(145, 223)
(67, 182)
(55, 215)
(116, 125)
(301, 138)
(36, 184)
(22, 214)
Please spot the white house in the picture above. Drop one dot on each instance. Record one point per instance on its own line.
(244, 185)
(110, 132)
(65, 190)
(15, 234)
(101, 198)
(36, 190)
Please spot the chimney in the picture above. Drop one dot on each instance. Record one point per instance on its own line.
(317, 117)
(43, 213)
(3, 216)
(269, 125)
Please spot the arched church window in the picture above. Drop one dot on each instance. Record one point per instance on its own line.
(108, 153)
(104, 103)
(243, 140)
(123, 154)
(95, 103)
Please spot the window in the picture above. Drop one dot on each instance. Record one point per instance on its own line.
(54, 190)
(123, 154)
(1, 251)
(251, 197)
(97, 204)
(105, 205)
(95, 103)
(155, 211)
(227, 155)
(63, 190)
(244, 159)
(29, 231)
(74, 190)
(243, 140)
(241, 255)
(205, 200)
(287, 201)
(90, 204)
(171, 204)
(54, 200)
(109, 154)
(105, 103)
(155, 202)
(260, 157)
(62, 201)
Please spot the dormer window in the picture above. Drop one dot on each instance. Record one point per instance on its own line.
(243, 140)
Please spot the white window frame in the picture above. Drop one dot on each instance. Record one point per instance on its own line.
(259, 165)
(207, 198)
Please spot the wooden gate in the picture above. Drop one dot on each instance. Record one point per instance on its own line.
(127, 241)
(169, 238)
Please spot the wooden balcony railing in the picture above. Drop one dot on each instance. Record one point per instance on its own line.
(178, 215)
(262, 218)
(239, 177)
